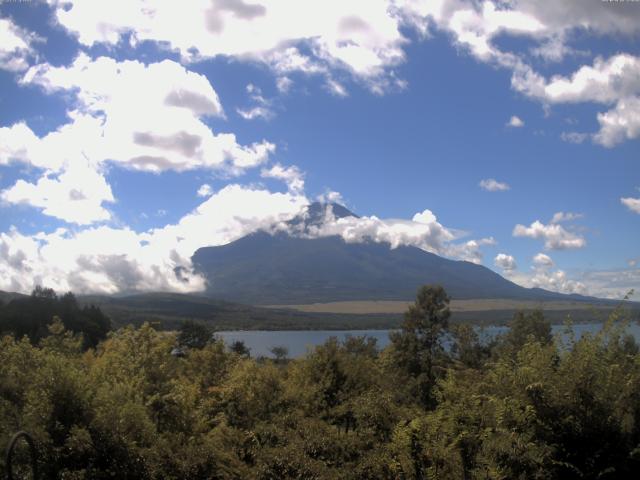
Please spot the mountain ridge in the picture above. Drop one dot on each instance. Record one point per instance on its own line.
(279, 268)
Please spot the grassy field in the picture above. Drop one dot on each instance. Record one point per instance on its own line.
(480, 305)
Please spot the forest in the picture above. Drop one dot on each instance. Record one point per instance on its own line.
(145, 404)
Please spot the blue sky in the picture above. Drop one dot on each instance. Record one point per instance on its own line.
(506, 134)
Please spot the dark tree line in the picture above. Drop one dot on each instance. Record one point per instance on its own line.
(31, 315)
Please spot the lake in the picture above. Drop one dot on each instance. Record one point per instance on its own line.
(298, 341)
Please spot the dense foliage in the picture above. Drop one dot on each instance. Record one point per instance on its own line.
(527, 406)
(30, 315)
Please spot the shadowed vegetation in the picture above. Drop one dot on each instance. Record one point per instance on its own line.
(524, 407)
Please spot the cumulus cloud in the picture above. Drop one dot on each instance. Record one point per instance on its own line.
(606, 81)
(15, 46)
(557, 281)
(515, 122)
(331, 196)
(631, 203)
(364, 41)
(470, 251)
(75, 196)
(111, 260)
(360, 38)
(475, 26)
(163, 131)
(292, 176)
(492, 185)
(505, 262)
(614, 284)
(619, 124)
(612, 81)
(555, 236)
(541, 275)
(423, 231)
(543, 261)
(205, 190)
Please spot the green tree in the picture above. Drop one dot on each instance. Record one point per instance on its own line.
(280, 353)
(467, 347)
(525, 327)
(31, 316)
(417, 347)
(240, 348)
(194, 335)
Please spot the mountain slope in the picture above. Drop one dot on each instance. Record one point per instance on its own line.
(262, 268)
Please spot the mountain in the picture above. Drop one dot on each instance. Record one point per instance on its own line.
(267, 269)
(6, 297)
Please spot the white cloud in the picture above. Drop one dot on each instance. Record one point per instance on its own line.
(18, 143)
(104, 84)
(75, 196)
(606, 81)
(560, 217)
(361, 38)
(620, 123)
(423, 231)
(165, 130)
(111, 260)
(614, 284)
(469, 251)
(556, 281)
(255, 112)
(292, 176)
(574, 137)
(555, 236)
(614, 81)
(330, 196)
(15, 46)
(515, 122)
(227, 215)
(284, 84)
(261, 106)
(492, 185)
(631, 203)
(336, 88)
(505, 262)
(205, 190)
(601, 17)
(543, 261)
(542, 275)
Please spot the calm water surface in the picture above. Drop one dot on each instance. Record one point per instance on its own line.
(299, 341)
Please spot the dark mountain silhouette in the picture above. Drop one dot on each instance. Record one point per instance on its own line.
(264, 268)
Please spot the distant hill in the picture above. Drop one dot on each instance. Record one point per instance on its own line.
(6, 297)
(262, 269)
(168, 310)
